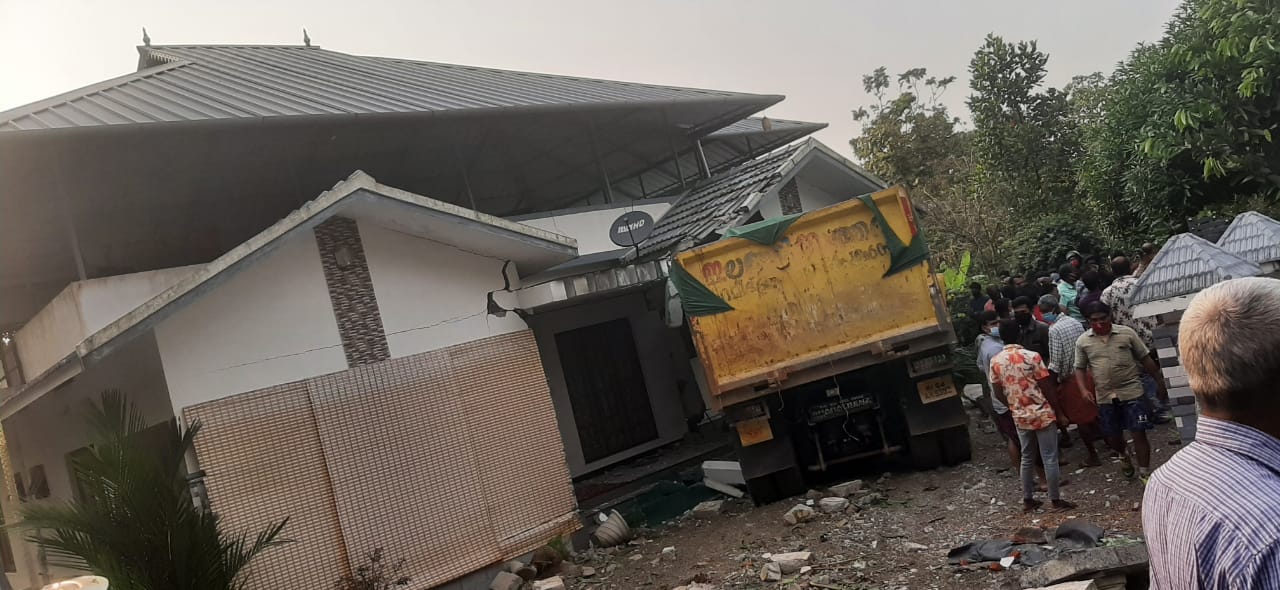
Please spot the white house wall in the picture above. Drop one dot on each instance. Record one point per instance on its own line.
(813, 197)
(44, 432)
(432, 295)
(591, 227)
(269, 324)
(81, 309)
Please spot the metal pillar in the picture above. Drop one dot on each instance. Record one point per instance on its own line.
(675, 155)
(606, 187)
(704, 170)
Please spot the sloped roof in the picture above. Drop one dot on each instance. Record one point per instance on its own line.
(1185, 265)
(718, 200)
(213, 82)
(358, 196)
(1253, 237)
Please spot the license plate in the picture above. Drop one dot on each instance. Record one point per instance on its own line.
(754, 431)
(938, 388)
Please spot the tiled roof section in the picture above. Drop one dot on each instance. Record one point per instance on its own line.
(1253, 237)
(193, 83)
(717, 201)
(1185, 265)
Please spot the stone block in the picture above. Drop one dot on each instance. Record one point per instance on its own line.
(1170, 352)
(1170, 361)
(506, 581)
(833, 505)
(1165, 332)
(847, 488)
(798, 514)
(1088, 563)
(1179, 381)
(1185, 421)
(1184, 409)
(729, 472)
(708, 509)
(1182, 395)
(552, 583)
(1174, 371)
(1166, 343)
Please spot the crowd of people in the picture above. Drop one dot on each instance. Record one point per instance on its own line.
(1064, 348)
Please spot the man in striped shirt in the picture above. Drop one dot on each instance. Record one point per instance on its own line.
(1211, 514)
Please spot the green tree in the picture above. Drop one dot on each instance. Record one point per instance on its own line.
(1024, 140)
(134, 522)
(908, 137)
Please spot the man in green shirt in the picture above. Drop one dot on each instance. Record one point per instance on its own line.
(1116, 356)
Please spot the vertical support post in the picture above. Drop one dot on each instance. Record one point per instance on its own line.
(65, 203)
(675, 155)
(605, 187)
(704, 169)
(751, 152)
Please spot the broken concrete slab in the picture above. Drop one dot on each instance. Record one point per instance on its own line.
(801, 556)
(552, 583)
(506, 581)
(729, 472)
(798, 514)
(723, 488)
(771, 572)
(833, 505)
(846, 489)
(1081, 585)
(1088, 563)
(708, 509)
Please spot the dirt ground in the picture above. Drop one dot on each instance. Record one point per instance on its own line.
(877, 547)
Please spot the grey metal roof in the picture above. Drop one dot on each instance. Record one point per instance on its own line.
(1185, 265)
(196, 83)
(718, 200)
(764, 125)
(1253, 237)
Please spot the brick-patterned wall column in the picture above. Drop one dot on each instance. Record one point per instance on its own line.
(346, 273)
(789, 198)
(1181, 398)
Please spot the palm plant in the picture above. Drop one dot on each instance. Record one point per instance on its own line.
(134, 521)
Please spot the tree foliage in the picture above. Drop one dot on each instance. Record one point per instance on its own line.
(135, 522)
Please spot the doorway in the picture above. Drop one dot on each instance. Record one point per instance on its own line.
(606, 388)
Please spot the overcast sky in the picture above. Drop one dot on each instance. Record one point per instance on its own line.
(813, 51)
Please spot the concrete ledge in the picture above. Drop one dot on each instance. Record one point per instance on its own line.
(1088, 563)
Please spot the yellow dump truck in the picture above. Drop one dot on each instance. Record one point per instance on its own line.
(825, 339)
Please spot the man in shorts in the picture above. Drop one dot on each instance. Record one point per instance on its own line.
(1116, 357)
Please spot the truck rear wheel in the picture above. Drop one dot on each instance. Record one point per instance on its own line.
(925, 450)
(775, 486)
(956, 448)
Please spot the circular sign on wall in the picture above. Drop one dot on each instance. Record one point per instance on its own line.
(631, 228)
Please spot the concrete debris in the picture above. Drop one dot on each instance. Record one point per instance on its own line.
(506, 581)
(910, 546)
(723, 488)
(846, 489)
(636, 557)
(802, 556)
(708, 509)
(668, 553)
(1029, 534)
(771, 572)
(833, 505)
(729, 472)
(1124, 559)
(798, 514)
(1081, 585)
(695, 586)
(588, 571)
(789, 567)
(870, 499)
(552, 583)
(512, 566)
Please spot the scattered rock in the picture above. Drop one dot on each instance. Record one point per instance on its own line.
(1081, 585)
(798, 514)
(870, 499)
(636, 557)
(588, 571)
(708, 509)
(833, 505)
(568, 570)
(512, 566)
(723, 488)
(668, 553)
(789, 567)
(910, 546)
(847, 488)
(771, 572)
(1137, 506)
(801, 556)
(506, 581)
(552, 583)
(814, 495)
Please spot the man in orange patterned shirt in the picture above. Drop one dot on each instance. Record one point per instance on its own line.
(1020, 380)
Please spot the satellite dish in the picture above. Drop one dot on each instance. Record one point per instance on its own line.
(631, 228)
(80, 583)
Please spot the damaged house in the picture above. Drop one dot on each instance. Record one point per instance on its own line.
(410, 302)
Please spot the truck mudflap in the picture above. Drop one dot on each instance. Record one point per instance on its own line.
(937, 424)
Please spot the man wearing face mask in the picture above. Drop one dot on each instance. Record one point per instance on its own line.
(1116, 357)
(989, 345)
(1064, 330)
(1034, 334)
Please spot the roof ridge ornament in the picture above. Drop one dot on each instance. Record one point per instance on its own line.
(146, 39)
(306, 39)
